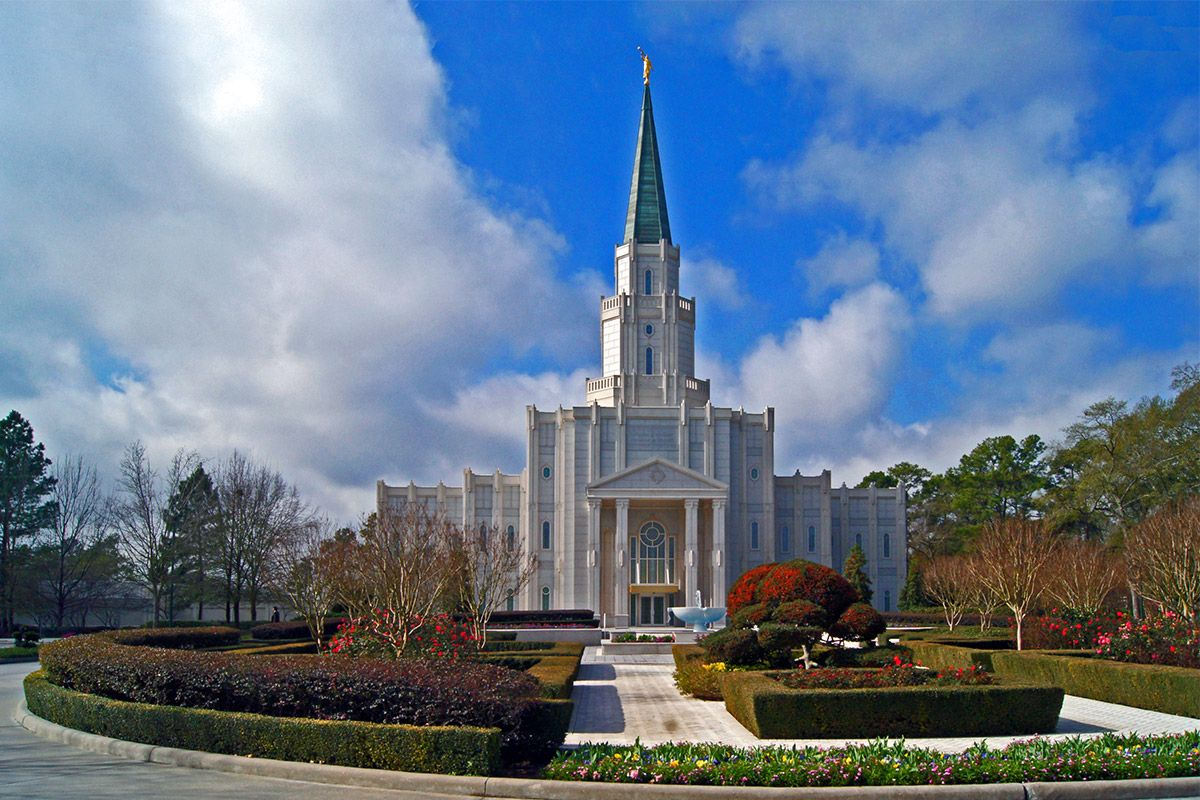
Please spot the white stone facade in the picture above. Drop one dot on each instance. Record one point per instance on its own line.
(648, 493)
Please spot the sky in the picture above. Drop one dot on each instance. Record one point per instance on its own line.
(354, 240)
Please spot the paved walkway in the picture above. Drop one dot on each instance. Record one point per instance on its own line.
(622, 698)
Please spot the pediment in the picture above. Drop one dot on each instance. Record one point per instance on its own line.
(657, 478)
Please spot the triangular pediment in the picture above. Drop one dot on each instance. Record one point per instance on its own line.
(658, 478)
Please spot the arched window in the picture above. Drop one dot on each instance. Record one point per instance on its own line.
(812, 538)
(545, 598)
(649, 283)
(483, 534)
(753, 535)
(887, 546)
(511, 537)
(887, 601)
(546, 535)
(858, 539)
(649, 360)
(510, 602)
(653, 555)
(785, 539)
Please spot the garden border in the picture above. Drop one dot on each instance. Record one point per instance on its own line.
(524, 789)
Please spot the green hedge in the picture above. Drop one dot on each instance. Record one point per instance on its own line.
(1171, 690)
(308, 648)
(557, 675)
(690, 675)
(942, 655)
(770, 710)
(448, 750)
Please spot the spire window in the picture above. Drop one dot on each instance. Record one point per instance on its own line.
(649, 283)
(649, 360)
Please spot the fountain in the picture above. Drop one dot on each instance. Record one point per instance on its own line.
(698, 616)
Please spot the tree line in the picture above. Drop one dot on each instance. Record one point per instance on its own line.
(1121, 470)
(191, 536)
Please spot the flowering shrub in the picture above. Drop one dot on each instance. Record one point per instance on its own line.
(1061, 630)
(896, 674)
(379, 634)
(1165, 639)
(644, 637)
(883, 763)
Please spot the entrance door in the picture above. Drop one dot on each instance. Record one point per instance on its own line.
(648, 609)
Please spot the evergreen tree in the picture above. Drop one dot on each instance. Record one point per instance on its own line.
(913, 594)
(24, 506)
(854, 570)
(191, 520)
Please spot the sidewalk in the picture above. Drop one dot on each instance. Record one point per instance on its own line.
(622, 698)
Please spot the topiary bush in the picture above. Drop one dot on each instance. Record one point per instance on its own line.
(860, 622)
(734, 646)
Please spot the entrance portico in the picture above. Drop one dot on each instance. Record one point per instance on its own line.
(657, 531)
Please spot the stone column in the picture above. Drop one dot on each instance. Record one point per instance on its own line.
(593, 554)
(621, 587)
(691, 542)
(718, 554)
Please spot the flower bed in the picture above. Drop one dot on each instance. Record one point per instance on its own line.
(649, 638)
(1107, 757)
(1165, 639)
(413, 692)
(771, 710)
(898, 674)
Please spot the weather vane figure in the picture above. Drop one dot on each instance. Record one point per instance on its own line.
(646, 66)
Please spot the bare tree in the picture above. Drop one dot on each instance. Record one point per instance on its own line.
(948, 582)
(981, 598)
(76, 554)
(494, 567)
(1011, 560)
(149, 549)
(257, 509)
(301, 570)
(1083, 575)
(406, 559)
(1163, 553)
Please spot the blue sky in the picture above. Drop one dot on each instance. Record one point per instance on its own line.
(355, 240)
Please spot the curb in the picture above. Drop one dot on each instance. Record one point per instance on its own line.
(535, 789)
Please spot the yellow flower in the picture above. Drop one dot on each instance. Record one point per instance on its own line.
(674, 762)
(634, 757)
(701, 762)
(616, 756)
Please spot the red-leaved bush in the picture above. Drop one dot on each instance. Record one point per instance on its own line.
(744, 589)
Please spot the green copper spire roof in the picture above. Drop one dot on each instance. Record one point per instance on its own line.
(646, 221)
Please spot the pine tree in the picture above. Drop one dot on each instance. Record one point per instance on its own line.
(913, 594)
(855, 571)
(24, 485)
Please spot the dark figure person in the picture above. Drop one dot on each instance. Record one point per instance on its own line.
(274, 613)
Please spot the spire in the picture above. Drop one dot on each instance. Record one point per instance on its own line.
(646, 221)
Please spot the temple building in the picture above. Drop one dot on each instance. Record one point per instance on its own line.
(647, 493)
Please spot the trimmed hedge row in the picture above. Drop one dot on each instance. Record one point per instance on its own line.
(366, 690)
(940, 655)
(448, 750)
(1171, 690)
(298, 629)
(770, 710)
(529, 617)
(183, 638)
(308, 648)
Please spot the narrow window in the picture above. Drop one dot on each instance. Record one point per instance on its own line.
(511, 535)
(812, 538)
(545, 598)
(649, 361)
(510, 602)
(887, 601)
(887, 546)
(649, 286)
(858, 539)
(483, 534)
(785, 542)
(546, 535)
(753, 535)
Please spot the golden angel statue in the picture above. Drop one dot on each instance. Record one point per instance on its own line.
(646, 66)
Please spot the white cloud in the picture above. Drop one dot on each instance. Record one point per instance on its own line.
(253, 210)
(826, 376)
(841, 263)
(714, 283)
(495, 406)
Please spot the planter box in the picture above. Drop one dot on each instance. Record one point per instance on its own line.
(582, 635)
(770, 710)
(1170, 690)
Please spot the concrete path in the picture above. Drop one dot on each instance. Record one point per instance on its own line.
(622, 698)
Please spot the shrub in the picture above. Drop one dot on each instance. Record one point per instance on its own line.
(943, 655)
(695, 677)
(778, 641)
(26, 637)
(895, 674)
(1166, 639)
(749, 616)
(622, 638)
(732, 646)
(380, 634)
(859, 622)
(292, 630)
(770, 710)
(745, 589)
(183, 638)
(802, 612)
(454, 751)
(1171, 690)
(866, 656)
(413, 692)
(806, 580)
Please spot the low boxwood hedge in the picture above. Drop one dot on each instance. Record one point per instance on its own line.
(298, 629)
(1171, 690)
(449, 750)
(770, 710)
(183, 638)
(308, 648)
(943, 655)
